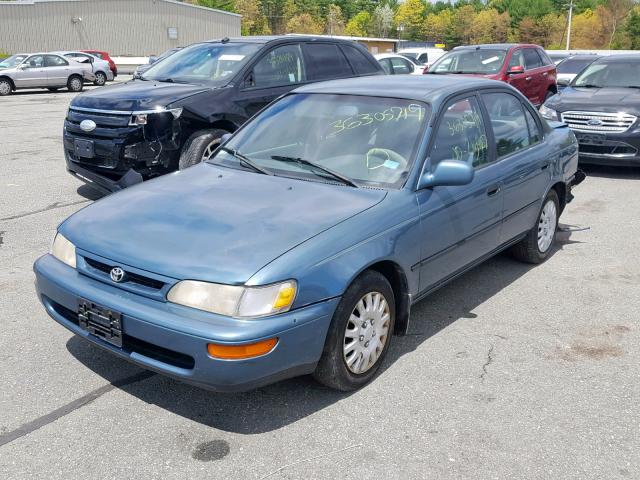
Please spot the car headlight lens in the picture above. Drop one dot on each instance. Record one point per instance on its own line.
(235, 301)
(142, 118)
(64, 250)
(548, 113)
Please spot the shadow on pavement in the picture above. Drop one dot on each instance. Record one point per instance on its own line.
(90, 193)
(603, 171)
(275, 406)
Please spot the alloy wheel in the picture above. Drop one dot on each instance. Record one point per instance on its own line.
(5, 88)
(211, 147)
(547, 226)
(367, 332)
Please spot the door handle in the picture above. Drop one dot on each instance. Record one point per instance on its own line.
(493, 190)
(544, 166)
(545, 74)
(528, 78)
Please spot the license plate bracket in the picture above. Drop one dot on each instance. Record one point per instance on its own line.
(100, 322)
(84, 148)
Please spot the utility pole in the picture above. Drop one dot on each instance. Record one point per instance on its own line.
(569, 25)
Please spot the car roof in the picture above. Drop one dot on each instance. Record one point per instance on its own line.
(582, 56)
(496, 46)
(425, 88)
(618, 58)
(264, 39)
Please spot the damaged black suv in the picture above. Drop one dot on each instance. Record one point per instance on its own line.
(177, 114)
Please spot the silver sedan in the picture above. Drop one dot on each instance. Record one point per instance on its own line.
(42, 70)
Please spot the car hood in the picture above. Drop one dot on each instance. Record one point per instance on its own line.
(598, 99)
(212, 223)
(136, 95)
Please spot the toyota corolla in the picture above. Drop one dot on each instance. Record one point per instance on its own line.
(300, 246)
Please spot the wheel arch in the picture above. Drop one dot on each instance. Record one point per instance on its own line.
(10, 80)
(561, 190)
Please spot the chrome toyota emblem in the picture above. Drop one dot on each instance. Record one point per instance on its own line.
(117, 274)
(87, 125)
(594, 122)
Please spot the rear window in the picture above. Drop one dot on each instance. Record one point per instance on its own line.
(359, 61)
(325, 60)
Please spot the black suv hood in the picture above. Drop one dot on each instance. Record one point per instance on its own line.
(136, 95)
(597, 99)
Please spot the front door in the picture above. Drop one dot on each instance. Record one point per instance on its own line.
(519, 80)
(33, 75)
(278, 71)
(58, 70)
(459, 224)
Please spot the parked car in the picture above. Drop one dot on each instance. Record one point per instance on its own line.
(300, 245)
(42, 70)
(104, 56)
(557, 57)
(176, 115)
(140, 69)
(602, 107)
(526, 67)
(101, 70)
(425, 56)
(571, 66)
(399, 65)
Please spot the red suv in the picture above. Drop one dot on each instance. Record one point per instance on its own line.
(526, 67)
(104, 56)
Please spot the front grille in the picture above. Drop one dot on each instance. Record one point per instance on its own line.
(598, 121)
(131, 278)
(610, 149)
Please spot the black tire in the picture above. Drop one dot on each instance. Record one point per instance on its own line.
(100, 79)
(53, 89)
(194, 148)
(5, 87)
(528, 249)
(332, 369)
(75, 83)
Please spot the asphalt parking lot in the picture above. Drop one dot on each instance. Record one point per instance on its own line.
(510, 372)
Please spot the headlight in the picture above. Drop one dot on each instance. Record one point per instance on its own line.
(141, 118)
(234, 301)
(64, 250)
(548, 113)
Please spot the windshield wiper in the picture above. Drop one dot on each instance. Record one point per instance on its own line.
(589, 85)
(246, 161)
(309, 163)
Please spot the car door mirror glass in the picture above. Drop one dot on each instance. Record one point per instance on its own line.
(23, 66)
(448, 173)
(515, 69)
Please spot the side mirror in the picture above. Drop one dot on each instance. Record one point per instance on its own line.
(22, 66)
(224, 138)
(563, 81)
(448, 173)
(515, 70)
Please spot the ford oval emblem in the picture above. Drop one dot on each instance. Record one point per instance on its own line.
(594, 122)
(117, 274)
(88, 125)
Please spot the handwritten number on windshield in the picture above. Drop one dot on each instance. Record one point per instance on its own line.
(389, 115)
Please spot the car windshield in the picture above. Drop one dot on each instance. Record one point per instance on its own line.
(480, 61)
(348, 139)
(206, 63)
(616, 73)
(573, 65)
(12, 61)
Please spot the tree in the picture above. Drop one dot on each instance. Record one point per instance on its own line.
(463, 19)
(632, 28)
(438, 27)
(335, 21)
(304, 23)
(587, 31)
(253, 21)
(382, 20)
(359, 25)
(410, 15)
(489, 26)
(611, 14)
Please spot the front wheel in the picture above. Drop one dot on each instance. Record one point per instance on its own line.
(199, 147)
(359, 334)
(75, 84)
(5, 87)
(100, 79)
(536, 246)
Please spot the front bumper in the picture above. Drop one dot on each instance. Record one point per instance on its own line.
(172, 339)
(615, 149)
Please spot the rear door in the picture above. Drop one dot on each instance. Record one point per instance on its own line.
(325, 61)
(535, 78)
(522, 159)
(34, 75)
(275, 73)
(58, 70)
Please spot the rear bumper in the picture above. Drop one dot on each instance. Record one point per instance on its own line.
(172, 340)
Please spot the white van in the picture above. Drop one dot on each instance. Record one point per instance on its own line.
(423, 55)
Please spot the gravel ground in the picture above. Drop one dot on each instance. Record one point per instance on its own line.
(511, 371)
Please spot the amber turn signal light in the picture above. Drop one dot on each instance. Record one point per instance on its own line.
(238, 352)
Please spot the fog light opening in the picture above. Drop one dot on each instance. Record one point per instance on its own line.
(239, 352)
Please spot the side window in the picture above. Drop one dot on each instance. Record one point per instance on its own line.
(386, 65)
(534, 130)
(37, 61)
(461, 134)
(531, 58)
(281, 66)
(326, 61)
(55, 61)
(423, 57)
(508, 122)
(517, 59)
(359, 60)
(401, 66)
